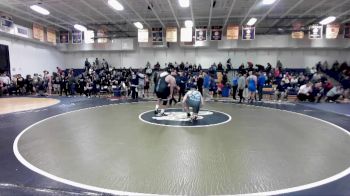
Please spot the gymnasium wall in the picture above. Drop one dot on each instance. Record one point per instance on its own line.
(292, 58)
(28, 57)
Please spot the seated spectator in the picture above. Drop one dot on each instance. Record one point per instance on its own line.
(281, 91)
(334, 94)
(305, 92)
(5, 81)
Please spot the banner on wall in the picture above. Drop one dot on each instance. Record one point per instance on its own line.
(232, 32)
(51, 36)
(22, 31)
(6, 23)
(64, 37)
(89, 37)
(171, 34)
(315, 32)
(298, 35)
(102, 35)
(77, 37)
(216, 33)
(157, 34)
(248, 33)
(347, 31)
(38, 32)
(201, 34)
(142, 36)
(186, 35)
(332, 31)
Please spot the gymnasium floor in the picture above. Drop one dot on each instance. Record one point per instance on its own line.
(76, 147)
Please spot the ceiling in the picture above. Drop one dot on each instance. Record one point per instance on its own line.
(272, 19)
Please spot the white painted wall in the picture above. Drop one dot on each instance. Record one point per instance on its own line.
(291, 58)
(28, 58)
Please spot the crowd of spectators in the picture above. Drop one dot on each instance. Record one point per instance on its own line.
(249, 81)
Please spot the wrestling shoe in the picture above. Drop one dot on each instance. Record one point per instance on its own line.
(156, 111)
(161, 114)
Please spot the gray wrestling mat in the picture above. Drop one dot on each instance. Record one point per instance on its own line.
(247, 150)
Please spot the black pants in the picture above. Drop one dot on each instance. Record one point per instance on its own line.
(304, 97)
(63, 88)
(181, 93)
(333, 98)
(240, 94)
(200, 89)
(260, 92)
(134, 94)
(234, 91)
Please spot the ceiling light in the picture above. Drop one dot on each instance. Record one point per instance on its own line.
(80, 27)
(116, 5)
(40, 10)
(328, 20)
(138, 25)
(184, 3)
(188, 24)
(268, 2)
(252, 21)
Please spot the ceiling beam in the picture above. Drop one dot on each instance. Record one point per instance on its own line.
(155, 13)
(172, 11)
(309, 22)
(268, 12)
(210, 13)
(126, 2)
(101, 14)
(229, 13)
(192, 14)
(308, 11)
(51, 15)
(285, 14)
(34, 16)
(249, 11)
(345, 21)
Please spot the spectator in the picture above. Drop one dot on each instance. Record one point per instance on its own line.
(305, 92)
(261, 84)
(241, 86)
(228, 65)
(234, 85)
(200, 82)
(281, 91)
(334, 94)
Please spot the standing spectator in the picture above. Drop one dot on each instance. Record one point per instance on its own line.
(228, 65)
(141, 83)
(47, 82)
(234, 85)
(134, 85)
(241, 86)
(147, 85)
(87, 65)
(220, 68)
(63, 84)
(200, 82)
(261, 84)
(268, 68)
(97, 63)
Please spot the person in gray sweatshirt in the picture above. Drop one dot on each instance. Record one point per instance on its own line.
(241, 86)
